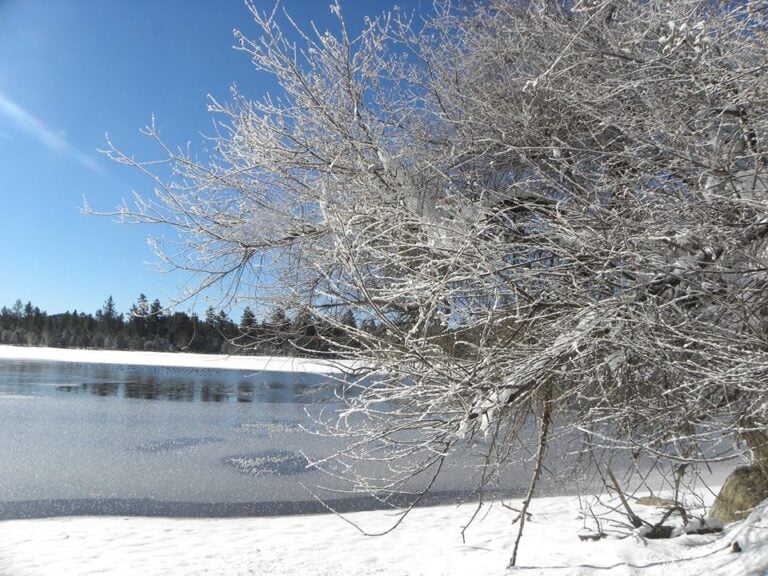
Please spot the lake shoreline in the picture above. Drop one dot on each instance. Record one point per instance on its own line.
(176, 359)
(152, 508)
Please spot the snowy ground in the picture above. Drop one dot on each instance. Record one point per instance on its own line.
(429, 542)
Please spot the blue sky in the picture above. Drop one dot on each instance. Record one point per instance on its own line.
(72, 71)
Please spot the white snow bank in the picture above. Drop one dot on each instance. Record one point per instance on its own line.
(428, 543)
(549, 547)
(296, 545)
(255, 363)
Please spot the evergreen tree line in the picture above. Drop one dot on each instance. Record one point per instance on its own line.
(149, 326)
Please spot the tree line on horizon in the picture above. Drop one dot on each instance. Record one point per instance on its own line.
(148, 326)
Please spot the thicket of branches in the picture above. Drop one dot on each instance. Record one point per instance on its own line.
(556, 209)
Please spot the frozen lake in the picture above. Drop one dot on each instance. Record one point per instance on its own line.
(81, 438)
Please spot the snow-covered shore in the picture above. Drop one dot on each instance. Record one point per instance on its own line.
(175, 359)
(428, 543)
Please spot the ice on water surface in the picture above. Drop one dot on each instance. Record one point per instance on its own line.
(132, 432)
(207, 438)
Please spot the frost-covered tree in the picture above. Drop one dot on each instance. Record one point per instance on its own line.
(552, 211)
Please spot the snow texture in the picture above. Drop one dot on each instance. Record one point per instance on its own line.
(428, 543)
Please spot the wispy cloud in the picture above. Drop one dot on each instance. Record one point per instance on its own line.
(33, 126)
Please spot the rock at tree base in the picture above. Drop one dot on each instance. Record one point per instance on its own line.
(744, 489)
